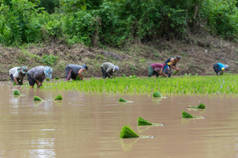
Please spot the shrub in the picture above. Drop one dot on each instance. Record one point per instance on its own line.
(49, 60)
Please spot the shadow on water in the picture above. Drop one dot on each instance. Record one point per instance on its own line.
(83, 125)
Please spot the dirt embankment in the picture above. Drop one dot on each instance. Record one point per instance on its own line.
(199, 53)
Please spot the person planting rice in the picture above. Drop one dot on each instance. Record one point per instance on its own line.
(75, 71)
(219, 68)
(157, 69)
(37, 75)
(108, 69)
(171, 64)
(17, 74)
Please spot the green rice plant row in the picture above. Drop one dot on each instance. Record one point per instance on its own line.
(184, 85)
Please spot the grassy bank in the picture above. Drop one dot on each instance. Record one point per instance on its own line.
(227, 84)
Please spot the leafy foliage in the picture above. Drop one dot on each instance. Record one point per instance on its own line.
(112, 22)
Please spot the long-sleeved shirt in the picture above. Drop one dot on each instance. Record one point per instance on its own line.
(108, 67)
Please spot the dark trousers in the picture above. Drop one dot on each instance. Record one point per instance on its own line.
(167, 70)
(20, 81)
(217, 69)
(69, 74)
(32, 81)
(106, 74)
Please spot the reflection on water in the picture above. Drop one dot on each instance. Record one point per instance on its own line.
(88, 126)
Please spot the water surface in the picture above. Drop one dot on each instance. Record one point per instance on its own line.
(88, 126)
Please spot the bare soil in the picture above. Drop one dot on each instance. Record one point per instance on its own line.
(199, 52)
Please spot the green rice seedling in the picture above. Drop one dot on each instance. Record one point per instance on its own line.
(127, 132)
(156, 95)
(189, 85)
(59, 97)
(201, 106)
(186, 115)
(36, 98)
(143, 122)
(122, 100)
(16, 92)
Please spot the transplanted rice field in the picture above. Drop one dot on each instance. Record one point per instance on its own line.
(227, 84)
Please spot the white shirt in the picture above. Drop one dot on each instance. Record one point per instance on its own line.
(14, 71)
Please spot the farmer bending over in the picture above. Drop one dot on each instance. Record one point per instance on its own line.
(219, 68)
(75, 71)
(37, 75)
(108, 69)
(17, 74)
(156, 69)
(171, 64)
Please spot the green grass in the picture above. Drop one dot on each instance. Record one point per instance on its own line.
(59, 97)
(36, 98)
(186, 115)
(122, 100)
(184, 85)
(16, 93)
(143, 122)
(127, 132)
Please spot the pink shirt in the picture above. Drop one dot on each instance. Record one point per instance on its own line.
(157, 66)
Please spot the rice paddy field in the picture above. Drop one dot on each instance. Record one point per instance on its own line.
(178, 117)
(183, 85)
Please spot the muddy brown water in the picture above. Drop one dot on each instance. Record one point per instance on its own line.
(88, 126)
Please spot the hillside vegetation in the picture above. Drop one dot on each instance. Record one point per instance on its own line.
(113, 22)
(129, 33)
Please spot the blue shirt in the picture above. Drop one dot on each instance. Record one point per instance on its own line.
(220, 65)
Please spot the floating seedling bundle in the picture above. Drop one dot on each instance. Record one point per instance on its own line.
(36, 98)
(186, 115)
(200, 106)
(156, 95)
(127, 132)
(59, 97)
(122, 100)
(16, 93)
(143, 122)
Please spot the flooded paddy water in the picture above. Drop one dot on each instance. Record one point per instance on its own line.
(88, 125)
